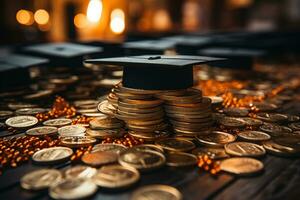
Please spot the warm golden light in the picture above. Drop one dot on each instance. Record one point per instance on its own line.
(24, 17)
(117, 21)
(41, 16)
(94, 11)
(80, 21)
(161, 20)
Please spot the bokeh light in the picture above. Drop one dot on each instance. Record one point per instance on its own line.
(117, 21)
(80, 21)
(25, 17)
(41, 16)
(94, 11)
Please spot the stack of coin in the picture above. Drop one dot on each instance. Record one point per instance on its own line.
(105, 127)
(141, 111)
(188, 112)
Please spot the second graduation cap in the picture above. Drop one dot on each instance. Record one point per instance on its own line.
(157, 72)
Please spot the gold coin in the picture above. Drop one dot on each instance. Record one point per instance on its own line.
(57, 122)
(145, 123)
(124, 95)
(99, 158)
(115, 148)
(215, 100)
(244, 149)
(105, 133)
(212, 152)
(139, 117)
(30, 111)
(143, 160)
(140, 110)
(19, 105)
(290, 141)
(189, 95)
(254, 136)
(105, 123)
(144, 103)
(75, 188)
(5, 114)
(21, 121)
(271, 117)
(77, 141)
(279, 149)
(252, 121)
(175, 144)
(232, 122)
(242, 166)
(116, 176)
(106, 108)
(216, 139)
(178, 159)
(149, 136)
(236, 112)
(150, 128)
(41, 131)
(52, 155)
(275, 130)
(80, 171)
(265, 107)
(164, 192)
(71, 130)
(151, 147)
(40, 179)
(206, 102)
(142, 115)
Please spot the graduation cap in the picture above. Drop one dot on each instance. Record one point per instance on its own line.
(148, 47)
(14, 69)
(157, 72)
(67, 54)
(242, 58)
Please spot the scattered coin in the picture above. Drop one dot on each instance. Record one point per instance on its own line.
(105, 133)
(75, 188)
(115, 148)
(216, 139)
(175, 144)
(99, 158)
(149, 136)
(150, 192)
(252, 121)
(265, 107)
(23, 121)
(244, 149)
(116, 176)
(142, 160)
(30, 111)
(280, 150)
(213, 153)
(106, 108)
(71, 130)
(77, 141)
(5, 114)
(151, 147)
(105, 123)
(242, 166)
(40, 179)
(80, 171)
(19, 105)
(178, 159)
(272, 117)
(254, 136)
(41, 131)
(57, 122)
(52, 155)
(275, 130)
(236, 112)
(232, 122)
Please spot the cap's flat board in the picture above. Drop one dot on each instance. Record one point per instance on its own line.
(155, 60)
(23, 61)
(63, 49)
(150, 45)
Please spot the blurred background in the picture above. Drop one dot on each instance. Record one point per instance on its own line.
(26, 21)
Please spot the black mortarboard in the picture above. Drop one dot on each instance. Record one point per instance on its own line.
(148, 47)
(236, 57)
(14, 69)
(157, 72)
(67, 54)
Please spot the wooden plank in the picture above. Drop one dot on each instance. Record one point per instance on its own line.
(248, 187)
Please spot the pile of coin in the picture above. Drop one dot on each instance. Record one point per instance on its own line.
(189, 113)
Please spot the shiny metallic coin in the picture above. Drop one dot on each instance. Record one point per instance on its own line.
(242, 166)
(116, 177)
(213, 153)
(19, 105)
(105, 133)
(215, 100)
(124, 95)
(5, 114)
(178, 159)
(236, 112)
(106, 108)
(52, 155)
(189, 94)
(142, 104)
(139, 117)
(153, 192)
(71, 130)
(216, 139)
(145, 122)
(204, 103)
(75, 188)
(41, 131)
(23, 121)
(80, 171)
(38, 94)
(151, 147)
(99, 158)
(232, 122)
(265, 107)
(30, 111)
(150, 128)
(140, 110)
(149, 136)
(275, 130)
(115, 148)
(175, 144)
(252, 121)
(275, 148)
(89, 110)
(295, 126)
(136, 91)
(77, 141)
(289, 141)
(83, 103)
(57, 122)
(143, 160)
(40, 179)
(95, 114)
(244, 149)
(105, 123)
(272, 117)
(254, 136)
